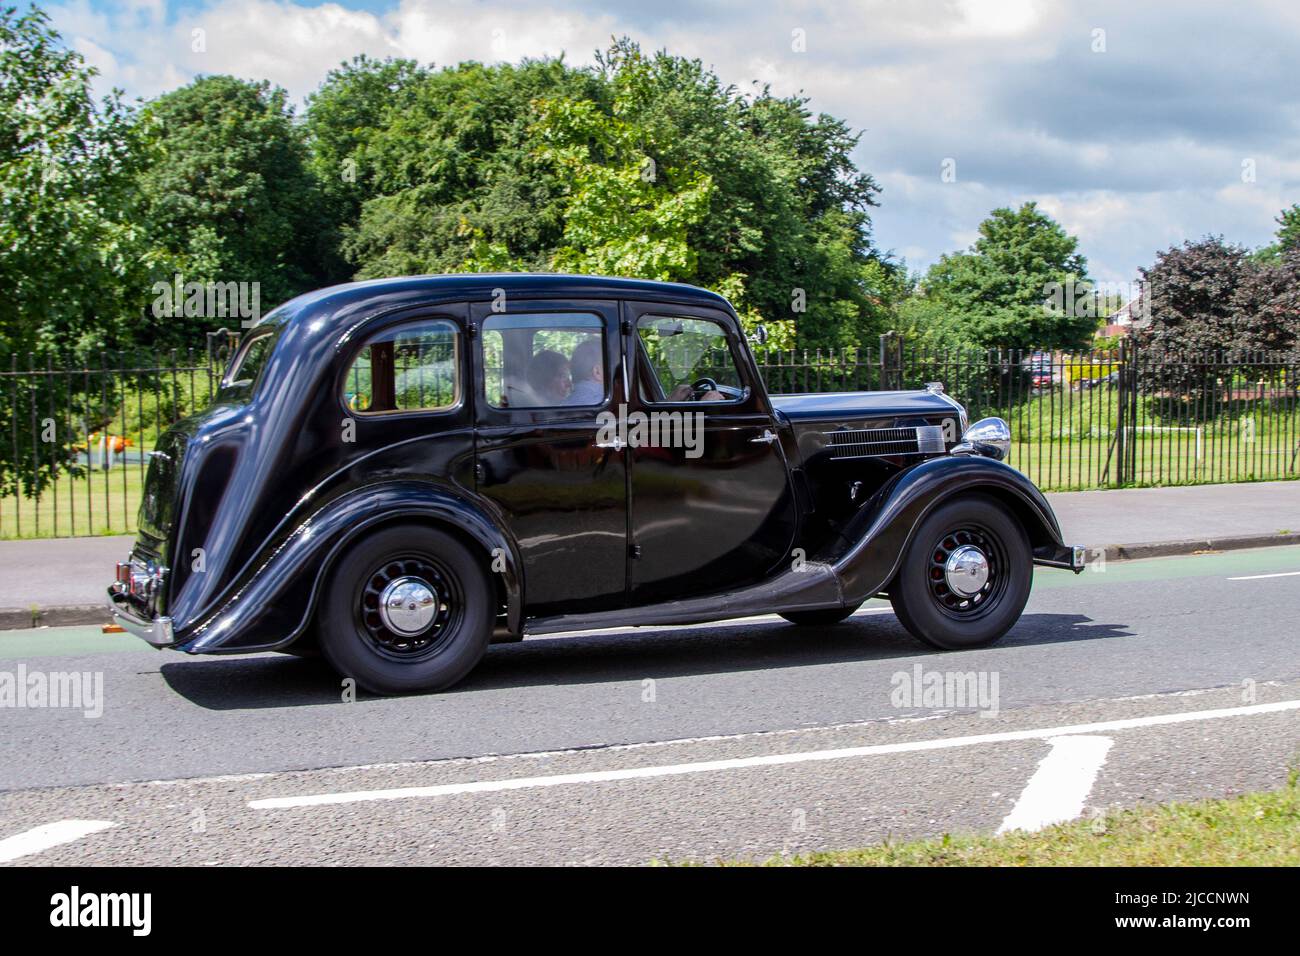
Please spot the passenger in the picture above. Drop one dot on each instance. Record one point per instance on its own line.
(548, 377)
(588, 367)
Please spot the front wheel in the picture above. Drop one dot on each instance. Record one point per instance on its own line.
(965, 575)
(409, 609)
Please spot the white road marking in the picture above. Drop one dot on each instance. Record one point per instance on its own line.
(1257, 577)
(48, 836)
(1061, 784)
(766, 760)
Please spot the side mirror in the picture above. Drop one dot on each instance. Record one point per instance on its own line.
(759, 335)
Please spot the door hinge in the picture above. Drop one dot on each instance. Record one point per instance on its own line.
(634, 550)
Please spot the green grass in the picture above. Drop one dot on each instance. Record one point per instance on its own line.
(98, 503)
(1255, 829)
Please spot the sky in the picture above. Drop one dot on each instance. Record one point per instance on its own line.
(1137, 125)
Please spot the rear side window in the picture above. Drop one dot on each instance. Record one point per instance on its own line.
(544, 359)
(412, 368)
(251, 358)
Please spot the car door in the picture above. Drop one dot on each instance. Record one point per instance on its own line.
(711, 505)
(561, 495)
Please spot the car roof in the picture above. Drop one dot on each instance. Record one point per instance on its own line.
(345, 303)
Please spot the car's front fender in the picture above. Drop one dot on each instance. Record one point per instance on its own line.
(273, 606)
(873, 542)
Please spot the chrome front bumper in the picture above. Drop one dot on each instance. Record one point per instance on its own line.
(1069, 557)
(157, 631)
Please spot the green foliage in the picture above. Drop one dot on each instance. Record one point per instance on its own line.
(643, 166)
(1288, 232)
(996, 294)
(230, 197)
(342, 116)
(73, 257)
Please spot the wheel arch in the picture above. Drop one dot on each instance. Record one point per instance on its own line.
(879, 535)
(283, 594)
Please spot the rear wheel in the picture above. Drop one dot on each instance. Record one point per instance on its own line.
(408, 610)
(820, 618)
(965, 575)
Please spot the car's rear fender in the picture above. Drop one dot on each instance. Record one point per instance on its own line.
(273, 607)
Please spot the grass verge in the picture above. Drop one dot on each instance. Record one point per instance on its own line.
(1254, 829)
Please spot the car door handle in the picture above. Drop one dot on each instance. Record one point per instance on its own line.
(617, 444)
(764, 439)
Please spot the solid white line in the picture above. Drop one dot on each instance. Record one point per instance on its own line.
(1256, 577)
(48, 836)
(1061, 784)
(767, 760)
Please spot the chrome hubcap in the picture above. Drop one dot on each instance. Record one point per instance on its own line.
(408, 605)
(966, 571)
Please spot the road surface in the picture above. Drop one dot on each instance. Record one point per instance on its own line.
(1171, 678)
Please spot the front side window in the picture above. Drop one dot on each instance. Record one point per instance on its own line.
(688, 360)
(544, 360)
(412, 368)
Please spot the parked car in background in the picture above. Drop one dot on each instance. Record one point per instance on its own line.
(384, 476)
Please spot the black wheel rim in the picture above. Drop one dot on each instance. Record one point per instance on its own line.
(440, 630)
(959, 606)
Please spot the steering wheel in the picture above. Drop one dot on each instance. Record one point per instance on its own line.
(702, 386)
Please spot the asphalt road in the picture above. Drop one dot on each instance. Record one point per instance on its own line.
(745, 739)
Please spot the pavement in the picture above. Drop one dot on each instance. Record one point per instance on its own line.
(61, 581)
(1137, 681)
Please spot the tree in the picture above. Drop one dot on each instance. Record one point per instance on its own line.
(74, 263)
(230, 197)
(1023, 284)
(1194, 294)
(1266, 306)
(342, 117)
(644, 165)
(1288, 232)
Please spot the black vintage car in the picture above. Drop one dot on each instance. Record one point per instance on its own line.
(400, 472)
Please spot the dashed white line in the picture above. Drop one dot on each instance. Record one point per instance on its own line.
(48, 836)
(1259, 577)
(1060, 786)
(765, 760)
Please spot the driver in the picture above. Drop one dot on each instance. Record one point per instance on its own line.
(685, 392)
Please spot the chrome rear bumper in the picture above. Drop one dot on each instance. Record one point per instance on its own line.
(157, 631)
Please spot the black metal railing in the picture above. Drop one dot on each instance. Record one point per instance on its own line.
(1095, 419)
(75, 433)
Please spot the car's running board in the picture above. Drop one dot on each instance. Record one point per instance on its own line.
(812, 587)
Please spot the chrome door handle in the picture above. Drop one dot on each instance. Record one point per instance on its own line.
(617, 444)
(764, 439)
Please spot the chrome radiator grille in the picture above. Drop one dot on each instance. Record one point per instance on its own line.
(879, 442)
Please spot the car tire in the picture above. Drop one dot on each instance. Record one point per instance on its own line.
(438, 623)
(961, 617)
(820, 618)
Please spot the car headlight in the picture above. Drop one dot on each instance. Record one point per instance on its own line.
(990, 437)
